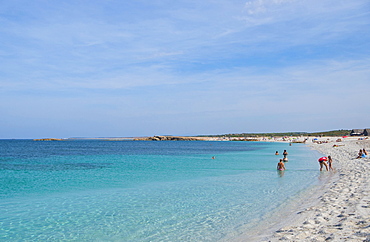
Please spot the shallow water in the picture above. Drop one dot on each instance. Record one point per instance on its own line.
(142, 190)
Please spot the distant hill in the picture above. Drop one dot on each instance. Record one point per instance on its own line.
(341, 132)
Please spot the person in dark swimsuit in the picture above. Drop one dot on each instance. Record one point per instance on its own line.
(285, 154)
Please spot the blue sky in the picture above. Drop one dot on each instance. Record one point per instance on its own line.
(141, 68)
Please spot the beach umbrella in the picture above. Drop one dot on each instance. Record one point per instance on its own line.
(323, 158)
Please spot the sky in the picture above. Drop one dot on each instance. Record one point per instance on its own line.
(119, 68)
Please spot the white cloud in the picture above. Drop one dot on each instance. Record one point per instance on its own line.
(263, 6)
(298, 20)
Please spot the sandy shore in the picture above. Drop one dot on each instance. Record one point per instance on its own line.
(340, 209)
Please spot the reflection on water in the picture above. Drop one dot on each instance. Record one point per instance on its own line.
(280, 173)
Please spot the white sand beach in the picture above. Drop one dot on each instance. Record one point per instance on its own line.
(337, 210)
(342, 212)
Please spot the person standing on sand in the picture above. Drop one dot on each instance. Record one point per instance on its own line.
(323, 163)
(280, 166)
(330, 162)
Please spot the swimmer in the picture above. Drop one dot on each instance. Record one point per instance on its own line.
(277, 153)
(280, 166)
(285, 153)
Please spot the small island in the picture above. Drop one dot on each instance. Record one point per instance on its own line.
(48, 139)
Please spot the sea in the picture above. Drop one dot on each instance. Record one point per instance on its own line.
(97, 190)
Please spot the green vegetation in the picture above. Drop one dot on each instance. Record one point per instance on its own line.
(341, 132)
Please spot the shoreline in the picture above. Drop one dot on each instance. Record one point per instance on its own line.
(338, 209)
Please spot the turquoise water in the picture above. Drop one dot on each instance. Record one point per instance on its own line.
(143, 190)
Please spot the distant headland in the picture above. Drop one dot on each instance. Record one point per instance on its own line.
(49, 139)
(286, 136)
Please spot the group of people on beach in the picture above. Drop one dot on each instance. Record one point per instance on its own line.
(322, 161)
(362, 154)
(281, 165)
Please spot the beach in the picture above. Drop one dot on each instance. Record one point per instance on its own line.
(337, 210)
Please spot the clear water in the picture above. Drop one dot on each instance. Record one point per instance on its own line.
(143, 190)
